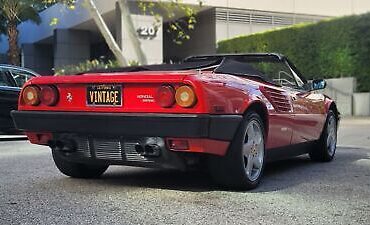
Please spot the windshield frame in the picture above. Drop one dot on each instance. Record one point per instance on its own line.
(233, 64)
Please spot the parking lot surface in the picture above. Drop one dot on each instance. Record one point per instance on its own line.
(295, 191)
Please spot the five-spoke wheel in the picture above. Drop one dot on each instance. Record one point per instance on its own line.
(243, 165)
(326, 146)
(253, 150)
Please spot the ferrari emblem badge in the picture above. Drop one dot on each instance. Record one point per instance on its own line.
(69, 97)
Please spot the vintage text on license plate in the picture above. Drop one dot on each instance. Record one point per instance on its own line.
(104, 95)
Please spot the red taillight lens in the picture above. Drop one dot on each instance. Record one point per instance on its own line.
(165, 96)
(49, 95)
(31, 95)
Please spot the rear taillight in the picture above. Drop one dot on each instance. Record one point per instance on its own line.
(49, 95)
(185, 96)
(35, 95)
(165, 96)
(31, 95)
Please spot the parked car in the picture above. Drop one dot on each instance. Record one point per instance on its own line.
(12, 79)
(231, 113)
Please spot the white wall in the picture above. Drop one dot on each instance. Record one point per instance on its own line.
(314, 7)
(153, 47)
(341, 90)
(361, 104)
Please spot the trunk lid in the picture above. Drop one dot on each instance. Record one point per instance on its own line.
(120, 92)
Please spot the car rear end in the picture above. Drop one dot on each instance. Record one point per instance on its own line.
(151, 119)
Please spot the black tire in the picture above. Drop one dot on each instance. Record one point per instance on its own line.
(77, 170)
(230, 170)
(325, 148)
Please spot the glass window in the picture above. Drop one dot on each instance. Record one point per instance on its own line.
(20, 76)
(269, 68)
(277, 72)
(4, 79)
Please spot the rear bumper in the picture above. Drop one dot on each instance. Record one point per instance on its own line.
(217, 127)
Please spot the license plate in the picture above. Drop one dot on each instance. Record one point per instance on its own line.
(104, 95)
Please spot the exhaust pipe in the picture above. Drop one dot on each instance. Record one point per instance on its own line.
(150, 147)
(139, 149)
(152, 150)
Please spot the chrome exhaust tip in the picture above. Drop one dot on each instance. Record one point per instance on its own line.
(150, 147)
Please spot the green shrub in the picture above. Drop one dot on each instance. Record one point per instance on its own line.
(333, 48)
(86, 66)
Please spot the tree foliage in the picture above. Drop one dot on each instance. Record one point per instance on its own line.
(86, 66)
(178, 27)
(333, 48)
(12, 13)
(18, 11)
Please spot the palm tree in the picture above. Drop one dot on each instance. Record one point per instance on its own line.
(12, 13)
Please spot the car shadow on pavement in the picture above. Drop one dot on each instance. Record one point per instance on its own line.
(302, 171)
(196, 181)
(278, 175)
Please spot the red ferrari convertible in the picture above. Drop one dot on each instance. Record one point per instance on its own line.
(230, 113)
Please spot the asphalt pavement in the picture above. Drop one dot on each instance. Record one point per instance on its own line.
(295, 191)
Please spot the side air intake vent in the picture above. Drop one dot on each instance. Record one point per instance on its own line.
(278, 99)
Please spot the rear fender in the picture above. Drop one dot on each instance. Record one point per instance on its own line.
(260, 108)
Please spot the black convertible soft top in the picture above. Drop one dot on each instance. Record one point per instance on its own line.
(159, 67)
(236, 64)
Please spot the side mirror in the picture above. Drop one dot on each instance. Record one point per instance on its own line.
(318, 84)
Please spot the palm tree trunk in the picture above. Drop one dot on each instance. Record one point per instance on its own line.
(104, 30)
(13, 54)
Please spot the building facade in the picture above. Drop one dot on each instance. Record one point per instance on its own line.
(76, 38)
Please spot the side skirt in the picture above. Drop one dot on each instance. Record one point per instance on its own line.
(290, 151)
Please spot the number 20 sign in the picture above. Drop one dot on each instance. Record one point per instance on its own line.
(147, 32)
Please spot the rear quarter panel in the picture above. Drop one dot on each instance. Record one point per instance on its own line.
(227, 94)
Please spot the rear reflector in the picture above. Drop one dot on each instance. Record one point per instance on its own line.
(49, 95)
(178, 144)
(39, 138)
(31, 95)
(198, 145)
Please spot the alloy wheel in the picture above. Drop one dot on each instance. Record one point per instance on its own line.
(253, 150)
